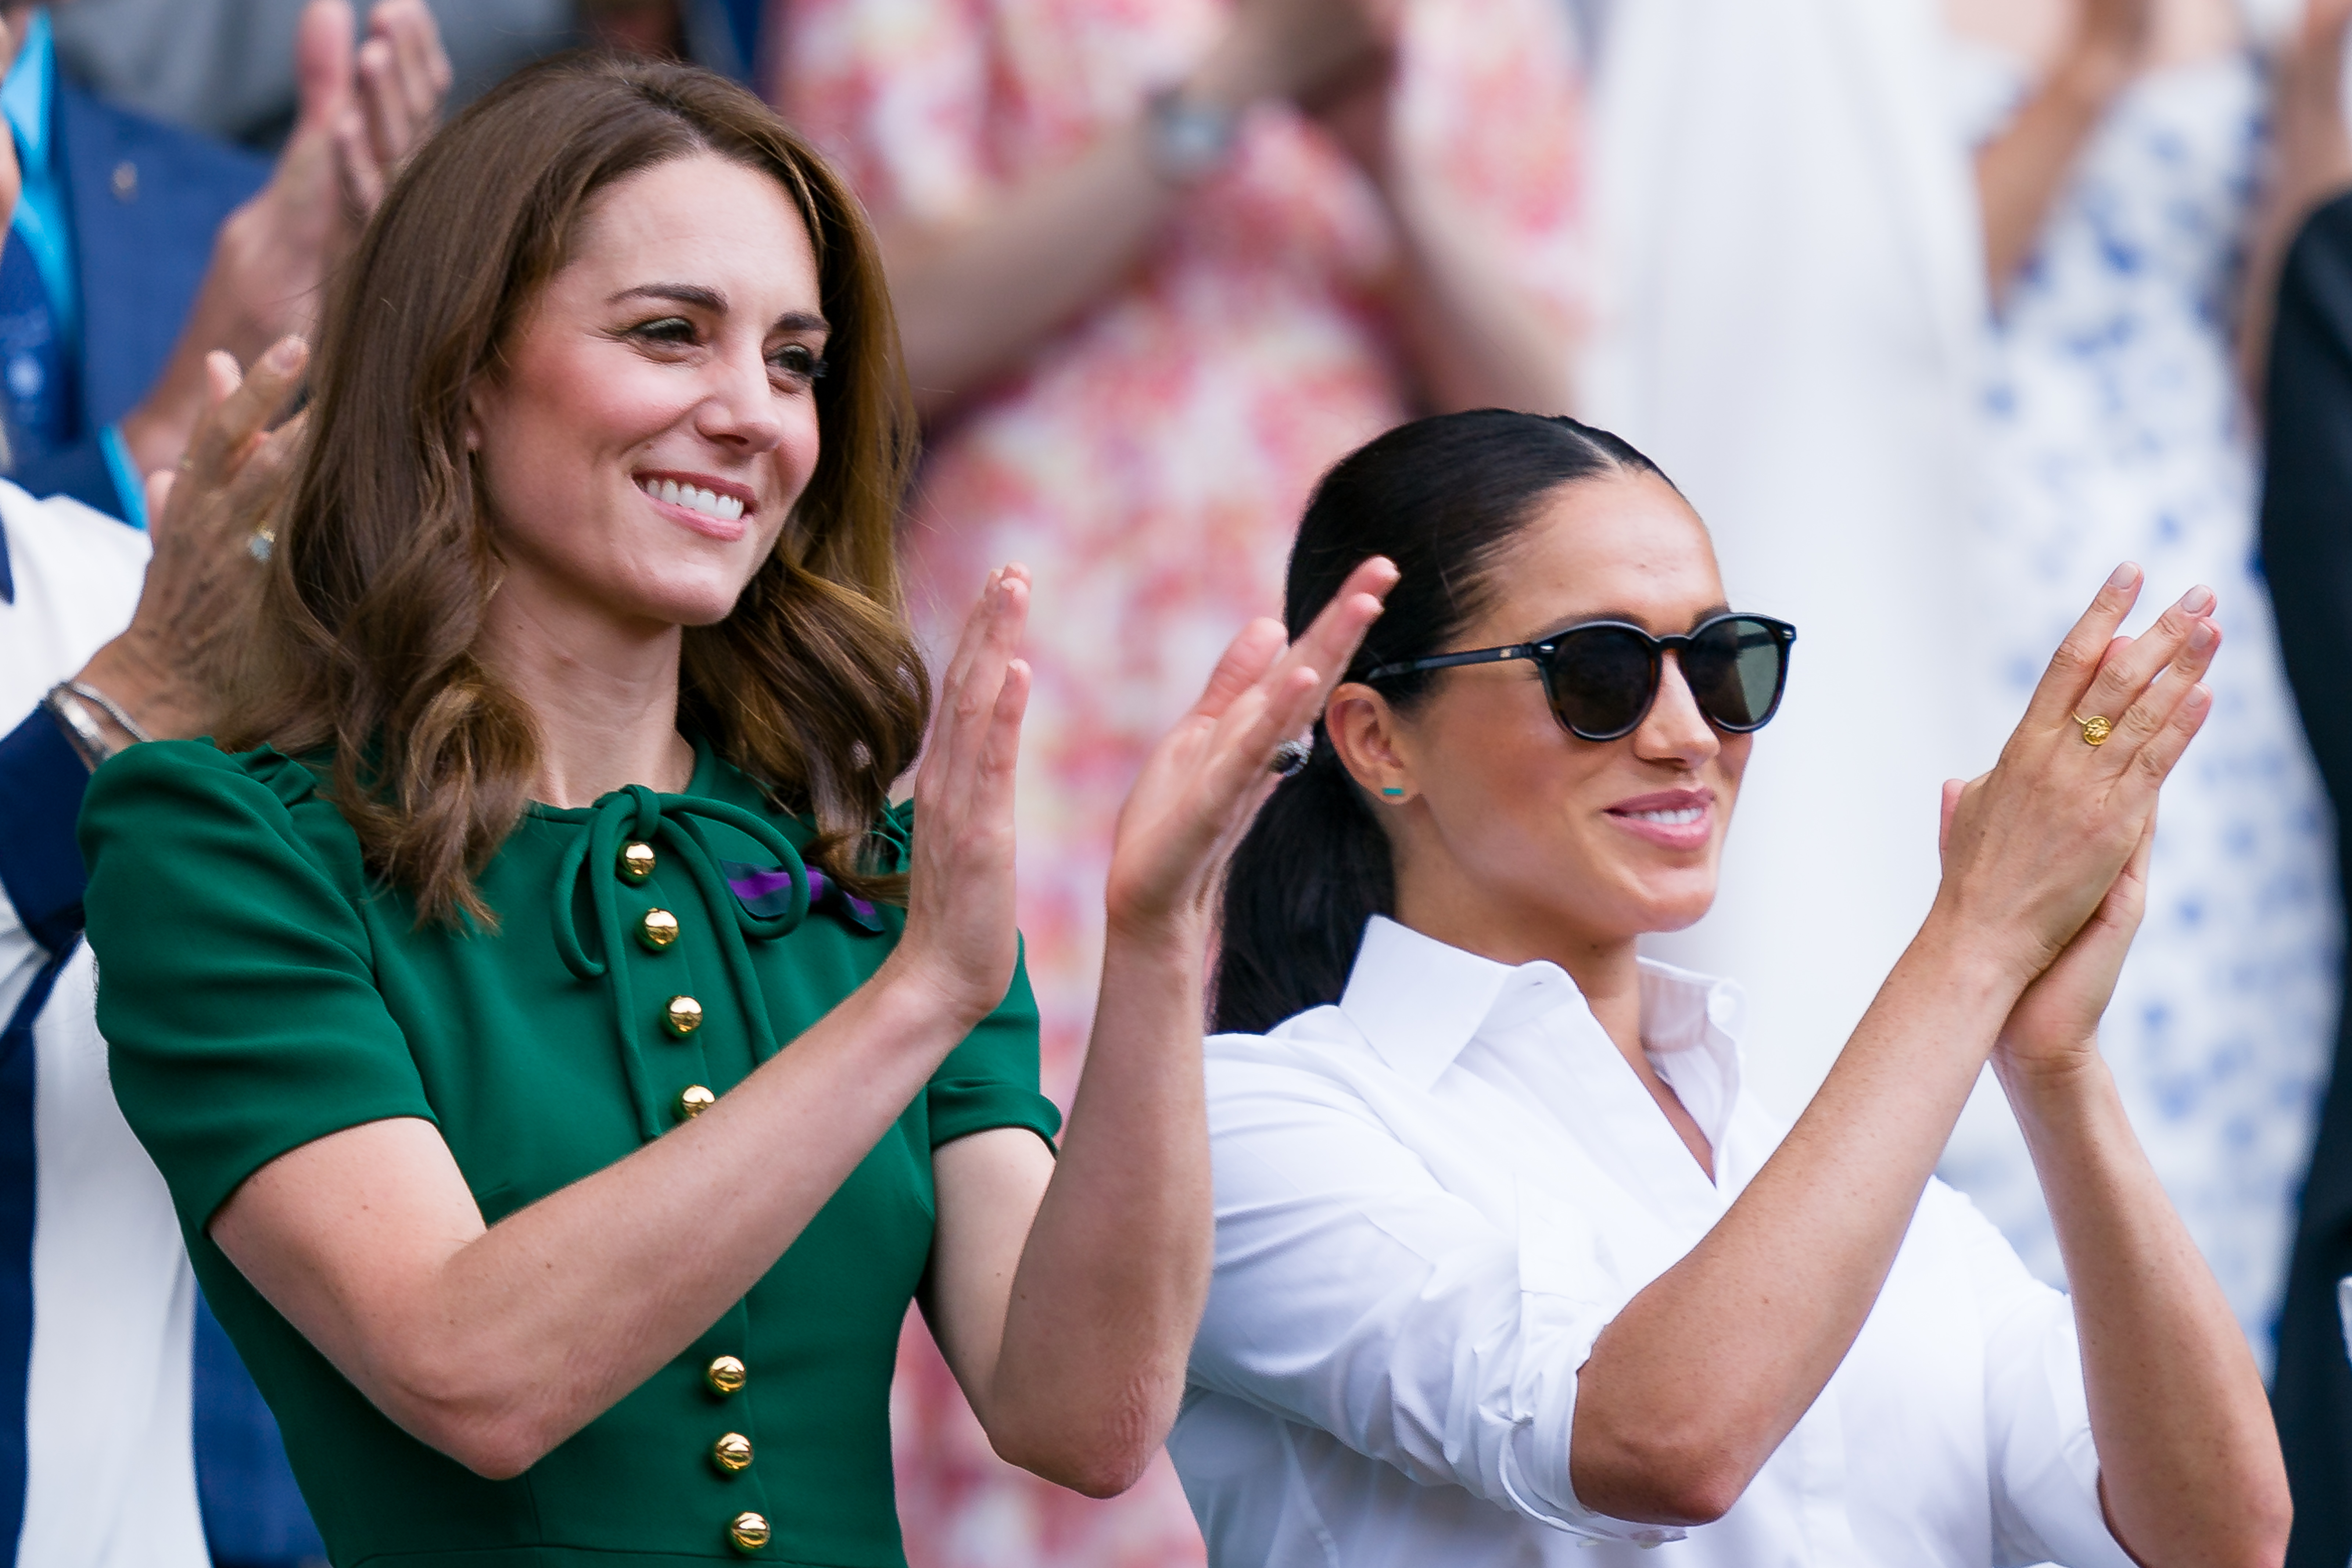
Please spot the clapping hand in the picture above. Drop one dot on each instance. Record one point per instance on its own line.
(208, 528)
(1208, 776)
(363, 109)
(2052, 785)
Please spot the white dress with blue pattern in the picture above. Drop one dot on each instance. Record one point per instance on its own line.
(2115, 430)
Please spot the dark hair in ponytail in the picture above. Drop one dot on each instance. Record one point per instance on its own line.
(1443, 499)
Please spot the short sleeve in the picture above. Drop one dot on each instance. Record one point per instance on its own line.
(990, 1080)
(236, 989)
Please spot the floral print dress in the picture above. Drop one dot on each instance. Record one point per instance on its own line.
(2115, 429)
(1148, 462)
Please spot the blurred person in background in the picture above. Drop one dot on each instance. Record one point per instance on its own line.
(2308, 550)
(1157, 265)
(136, 251)
(2126, 170)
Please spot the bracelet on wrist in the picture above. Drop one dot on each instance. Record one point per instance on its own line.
(1186, 139)
(65, 702)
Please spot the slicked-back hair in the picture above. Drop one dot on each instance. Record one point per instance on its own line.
(386, 562)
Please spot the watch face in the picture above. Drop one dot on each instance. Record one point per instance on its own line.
(1189, 140)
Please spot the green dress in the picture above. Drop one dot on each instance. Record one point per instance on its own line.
(260, 990)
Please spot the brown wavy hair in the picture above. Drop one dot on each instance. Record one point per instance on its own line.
(384, 562)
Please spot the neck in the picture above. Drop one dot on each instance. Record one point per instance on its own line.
(604, 694)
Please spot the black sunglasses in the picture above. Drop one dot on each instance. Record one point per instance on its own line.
(1603, 676)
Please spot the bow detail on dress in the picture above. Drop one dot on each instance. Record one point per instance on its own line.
(672, 823)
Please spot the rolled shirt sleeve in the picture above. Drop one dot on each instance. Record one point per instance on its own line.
(42, 780)
(2043, 1470)
(1355, 1295)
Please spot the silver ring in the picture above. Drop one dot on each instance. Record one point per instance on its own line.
(1291, 757)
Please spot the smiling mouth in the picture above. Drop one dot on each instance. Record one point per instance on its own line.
(725, 508)
(1678, 816)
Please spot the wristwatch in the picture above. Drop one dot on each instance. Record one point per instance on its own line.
(1186, 139)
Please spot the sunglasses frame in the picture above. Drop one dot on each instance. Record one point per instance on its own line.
(1546, 656)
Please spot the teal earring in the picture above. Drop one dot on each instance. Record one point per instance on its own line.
(1392, 791)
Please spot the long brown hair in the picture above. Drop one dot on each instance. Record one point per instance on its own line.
(384, 562)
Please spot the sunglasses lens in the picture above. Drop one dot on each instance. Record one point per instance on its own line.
(1734, 670)
(1600, 680)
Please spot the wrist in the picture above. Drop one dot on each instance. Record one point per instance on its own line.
(1981, 954)
(2046, 1086)
(924, 1002)
(145, 687)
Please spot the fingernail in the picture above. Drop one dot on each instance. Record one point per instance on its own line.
(2197, 600)
(283, 353)
(2203, 636)
(2124, 576)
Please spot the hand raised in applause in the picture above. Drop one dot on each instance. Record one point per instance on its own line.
(1303, 51)
(1206, 778)
(2044, 858)
(205, 576)
(363, 109)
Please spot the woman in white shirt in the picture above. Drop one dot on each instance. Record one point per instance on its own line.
(1506, 1262)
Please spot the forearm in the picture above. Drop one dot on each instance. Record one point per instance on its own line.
(1478, 337)
(495, 1344)
(2189, 1458)
(973, 300)
(1691, 1388)
(2021, 171)
(1114, 1271)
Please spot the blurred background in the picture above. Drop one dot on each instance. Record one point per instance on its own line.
(1936, 309)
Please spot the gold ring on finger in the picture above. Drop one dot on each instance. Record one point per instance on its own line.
(2095, 728)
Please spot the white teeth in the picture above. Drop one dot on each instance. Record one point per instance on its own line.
(1680, 817)
(710, 503)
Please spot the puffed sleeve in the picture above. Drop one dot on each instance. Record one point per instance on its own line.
(2044, 1471)
(990, 1080)
(236, 989)
(1354, 1294)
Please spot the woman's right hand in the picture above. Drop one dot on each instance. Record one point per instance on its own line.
(2034, 845)
(962, 939)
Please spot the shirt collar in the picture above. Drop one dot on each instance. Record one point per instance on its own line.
(1419, 1002)
(26, 91)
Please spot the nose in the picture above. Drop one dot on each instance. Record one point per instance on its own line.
(1674, 731)
(740, 408)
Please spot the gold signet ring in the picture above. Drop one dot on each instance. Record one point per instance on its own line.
(2095, 728)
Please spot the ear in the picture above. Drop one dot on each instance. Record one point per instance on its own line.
(1370, 741)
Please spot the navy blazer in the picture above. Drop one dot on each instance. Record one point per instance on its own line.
(144, 200)
(2307, 540)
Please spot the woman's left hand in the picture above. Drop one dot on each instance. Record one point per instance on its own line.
(2055, 1024)
(1205, 779)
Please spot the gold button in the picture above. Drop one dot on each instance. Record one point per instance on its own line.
(725, 1375)
(732, 1453)
(636, 862)
(658, 929)
(748, 1532)
(682, 1015)
(693, 1100)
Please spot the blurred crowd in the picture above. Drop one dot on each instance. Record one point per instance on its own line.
(1936, 311)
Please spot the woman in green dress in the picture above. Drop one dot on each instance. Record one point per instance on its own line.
(566, 1064)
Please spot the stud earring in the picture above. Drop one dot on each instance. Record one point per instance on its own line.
(1392, 791)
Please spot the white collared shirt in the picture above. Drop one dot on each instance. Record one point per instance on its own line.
(1432, 1198)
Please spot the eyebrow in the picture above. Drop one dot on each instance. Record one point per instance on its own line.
(1628, 617)
(715, 301)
